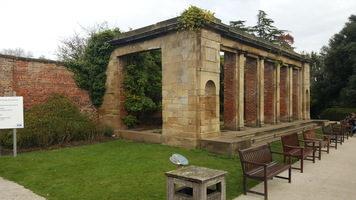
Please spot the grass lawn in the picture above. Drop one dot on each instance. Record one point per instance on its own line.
(117, 169)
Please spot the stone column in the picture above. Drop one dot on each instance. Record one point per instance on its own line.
(260, 91)
(290, 94)
(240, 90)
(306, 91)
(300, 94)
(277, 95)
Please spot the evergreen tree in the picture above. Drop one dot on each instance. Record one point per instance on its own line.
(335, 85)
(240, 25)
(266, 30)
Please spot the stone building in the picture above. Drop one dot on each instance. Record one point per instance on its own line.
(263, 83)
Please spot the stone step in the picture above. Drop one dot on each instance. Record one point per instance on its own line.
(231, 141)
(276, 134)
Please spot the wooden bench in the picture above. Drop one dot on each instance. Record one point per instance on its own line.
(291, 146)
(257, 163)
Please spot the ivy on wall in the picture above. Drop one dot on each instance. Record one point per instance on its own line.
(90, 73)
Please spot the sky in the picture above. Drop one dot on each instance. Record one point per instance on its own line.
(39, 25)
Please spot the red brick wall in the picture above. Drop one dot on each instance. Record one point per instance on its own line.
(250, 92)
(6, 74)
(295, 94)
(229, 101)
(37, 80)
(268, 93)
(283, 94)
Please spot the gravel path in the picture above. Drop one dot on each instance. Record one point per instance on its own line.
(13, 191)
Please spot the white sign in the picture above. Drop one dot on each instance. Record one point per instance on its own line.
(11, 112)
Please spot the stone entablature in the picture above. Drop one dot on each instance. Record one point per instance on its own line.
(254, 70)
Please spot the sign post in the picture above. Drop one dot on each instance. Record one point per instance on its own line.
(11, 116)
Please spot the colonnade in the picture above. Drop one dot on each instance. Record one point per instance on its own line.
(264, 91)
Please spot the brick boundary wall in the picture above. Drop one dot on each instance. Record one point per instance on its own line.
(37, 79)
(283, 95)
(229, 105)
(268, 93)
(250, 91)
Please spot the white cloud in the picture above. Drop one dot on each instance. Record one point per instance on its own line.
(37, 25)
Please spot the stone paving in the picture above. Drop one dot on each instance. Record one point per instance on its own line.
(331, 178)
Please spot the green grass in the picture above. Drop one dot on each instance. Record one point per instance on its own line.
(118, 169)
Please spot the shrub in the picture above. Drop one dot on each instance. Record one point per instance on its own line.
(194, 18)
(130, 121)
(336, 114)
(143, 86)
(55, 122)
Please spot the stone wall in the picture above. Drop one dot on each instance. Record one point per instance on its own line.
(37, 80)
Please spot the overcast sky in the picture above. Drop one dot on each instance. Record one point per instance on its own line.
(38, 25)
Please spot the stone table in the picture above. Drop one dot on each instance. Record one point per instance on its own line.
(195, 183)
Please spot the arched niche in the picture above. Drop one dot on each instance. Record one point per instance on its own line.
(210, 100)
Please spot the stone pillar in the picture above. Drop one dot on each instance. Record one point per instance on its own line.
(241, 90)
(300, 94)
(260, 91)
(190, 88)
(112, 108)
(277, 96)
(290, 94)
(296, 97)
(306, 91)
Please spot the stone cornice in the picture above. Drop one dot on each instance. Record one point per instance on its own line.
(170, 25)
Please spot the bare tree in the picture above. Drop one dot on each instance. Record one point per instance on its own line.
(72, 48)
(18, 52)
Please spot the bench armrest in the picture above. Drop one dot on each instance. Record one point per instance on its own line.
(283, 154)
(254, 163)
(308, 141)
(294, 147)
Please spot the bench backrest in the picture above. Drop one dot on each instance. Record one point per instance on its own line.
(309, 134)
(327, 130)
(291, 140)
(260, 154)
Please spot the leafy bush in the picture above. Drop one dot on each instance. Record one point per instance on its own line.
(194, 18)
(90, 73)
(143, 86)
(336, 114)
(130, 121)
(54, 122)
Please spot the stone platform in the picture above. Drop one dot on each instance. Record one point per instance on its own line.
(230, 141)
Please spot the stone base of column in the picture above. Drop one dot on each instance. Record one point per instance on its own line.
(242, 128)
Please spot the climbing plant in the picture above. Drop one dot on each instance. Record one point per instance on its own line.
(143, 86)
(90, 73)
(194, 18)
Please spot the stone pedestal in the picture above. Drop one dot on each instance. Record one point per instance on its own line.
(196, 183)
